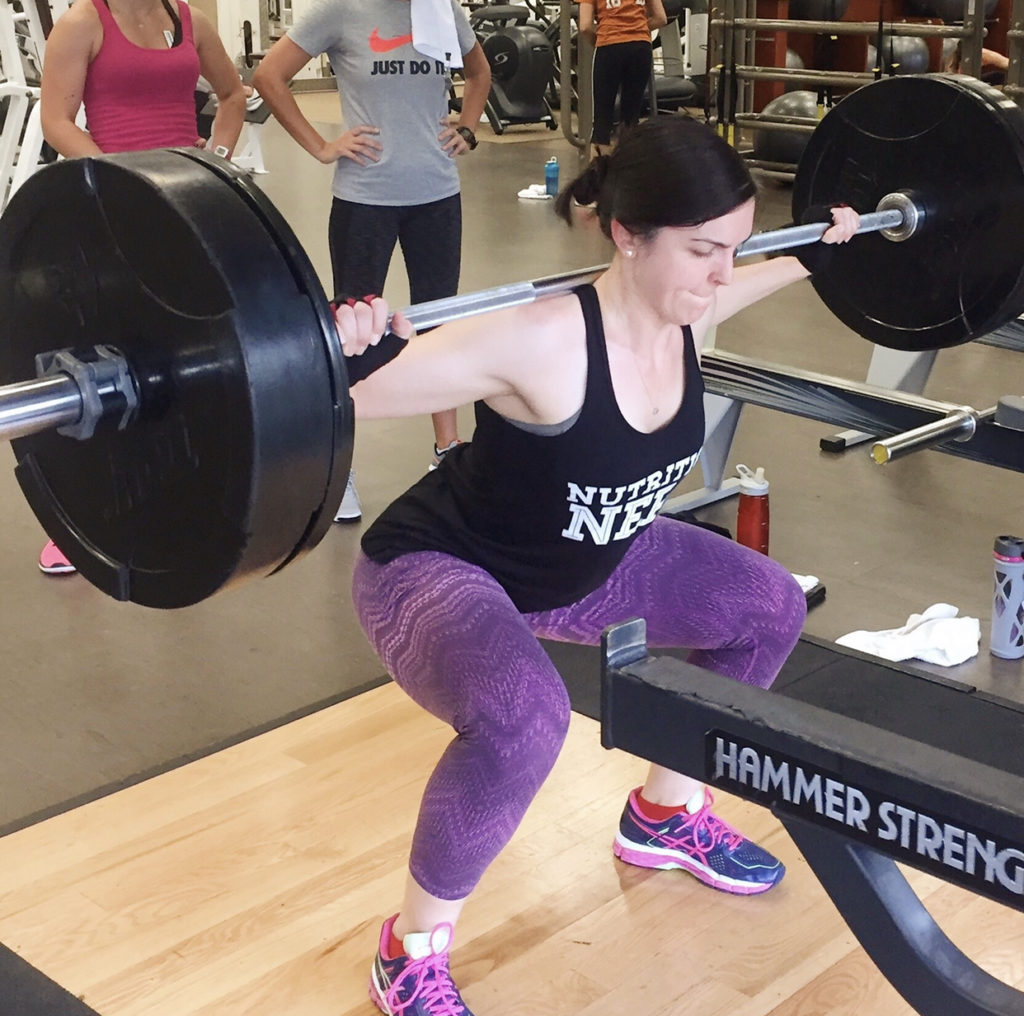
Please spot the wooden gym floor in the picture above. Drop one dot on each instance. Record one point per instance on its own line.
(254, 878)
(254, 882)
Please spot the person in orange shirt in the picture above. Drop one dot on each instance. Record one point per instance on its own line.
(622, 59)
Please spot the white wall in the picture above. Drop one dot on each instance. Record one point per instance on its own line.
(230, 15)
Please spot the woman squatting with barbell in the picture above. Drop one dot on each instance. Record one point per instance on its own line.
(589, 411)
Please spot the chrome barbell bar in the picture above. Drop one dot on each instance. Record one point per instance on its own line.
(60, 400)
(896, 217)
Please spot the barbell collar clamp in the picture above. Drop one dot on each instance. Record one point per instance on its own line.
(912, 212)
(73, 391)
(960, 425)
(104, 382)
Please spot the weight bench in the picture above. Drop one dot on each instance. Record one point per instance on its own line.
(865, 763)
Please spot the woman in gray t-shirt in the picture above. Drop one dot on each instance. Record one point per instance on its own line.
(395, 179)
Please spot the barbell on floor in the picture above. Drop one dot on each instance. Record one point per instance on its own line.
(177, 328)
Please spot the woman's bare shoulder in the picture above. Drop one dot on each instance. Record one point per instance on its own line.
(78, 28)
(81, 13)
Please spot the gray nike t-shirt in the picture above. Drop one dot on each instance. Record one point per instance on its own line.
(386, 83)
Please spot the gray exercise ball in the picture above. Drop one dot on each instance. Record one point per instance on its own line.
(794, 63)
(780, 145)
(901, 54)
(949, 53)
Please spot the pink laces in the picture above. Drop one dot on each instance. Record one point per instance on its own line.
(433, 982)
(701, 831)
(714, 829)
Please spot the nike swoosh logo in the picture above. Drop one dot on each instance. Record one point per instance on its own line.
(379, 45)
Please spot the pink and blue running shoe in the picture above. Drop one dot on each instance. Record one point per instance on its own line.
(700, 843)
(418, 983)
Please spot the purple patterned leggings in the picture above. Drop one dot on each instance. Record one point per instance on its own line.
(453, 641)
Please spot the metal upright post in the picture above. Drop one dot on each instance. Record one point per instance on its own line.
(579, 138)
(1015, 51)
(970, 53)
(749, 59)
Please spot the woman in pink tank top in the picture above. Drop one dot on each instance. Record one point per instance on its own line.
(135, 64)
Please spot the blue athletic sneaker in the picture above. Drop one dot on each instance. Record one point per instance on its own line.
(700, 843)
(417, 984)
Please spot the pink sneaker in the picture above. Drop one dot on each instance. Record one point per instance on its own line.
(418, 983)
(700, 843)
(53, 562)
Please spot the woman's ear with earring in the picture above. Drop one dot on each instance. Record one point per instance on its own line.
(623, 239)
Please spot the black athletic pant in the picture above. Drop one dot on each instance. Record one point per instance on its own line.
(625, 66)
(362, 239)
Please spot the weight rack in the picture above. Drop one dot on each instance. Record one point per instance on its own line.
(733, 69)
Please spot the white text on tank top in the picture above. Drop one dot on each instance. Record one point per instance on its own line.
(616, 513)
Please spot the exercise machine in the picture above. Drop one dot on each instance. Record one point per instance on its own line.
(521, 58)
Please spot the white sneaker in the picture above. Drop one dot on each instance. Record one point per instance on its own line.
(350, 509)
(440, 453)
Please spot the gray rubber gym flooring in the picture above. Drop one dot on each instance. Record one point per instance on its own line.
(96, 693)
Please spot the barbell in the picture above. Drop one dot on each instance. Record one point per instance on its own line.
(189, 424)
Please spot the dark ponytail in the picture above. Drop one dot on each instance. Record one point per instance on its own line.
(669, 171)
(584, 190)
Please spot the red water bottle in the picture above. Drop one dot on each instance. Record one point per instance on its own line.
(752, 514)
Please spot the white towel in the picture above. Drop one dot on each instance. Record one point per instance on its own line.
(936, 636)
(434, 33)
(807, 582)
(536, 191)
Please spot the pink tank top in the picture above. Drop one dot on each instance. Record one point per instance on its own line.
(138, 98)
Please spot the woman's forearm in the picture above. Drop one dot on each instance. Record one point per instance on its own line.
(69, 140)
(227, 123)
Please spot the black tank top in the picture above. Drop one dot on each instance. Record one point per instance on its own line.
(549, 516)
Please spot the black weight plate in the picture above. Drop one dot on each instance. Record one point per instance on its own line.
(241, 448)
(957, 146)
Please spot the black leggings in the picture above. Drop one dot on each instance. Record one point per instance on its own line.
(362, 239)
(625, 65)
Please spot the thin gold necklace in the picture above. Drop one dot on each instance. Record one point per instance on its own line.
(139, 19)
(640, 374)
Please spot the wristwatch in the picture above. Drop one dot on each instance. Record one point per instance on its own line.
(468, 136)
